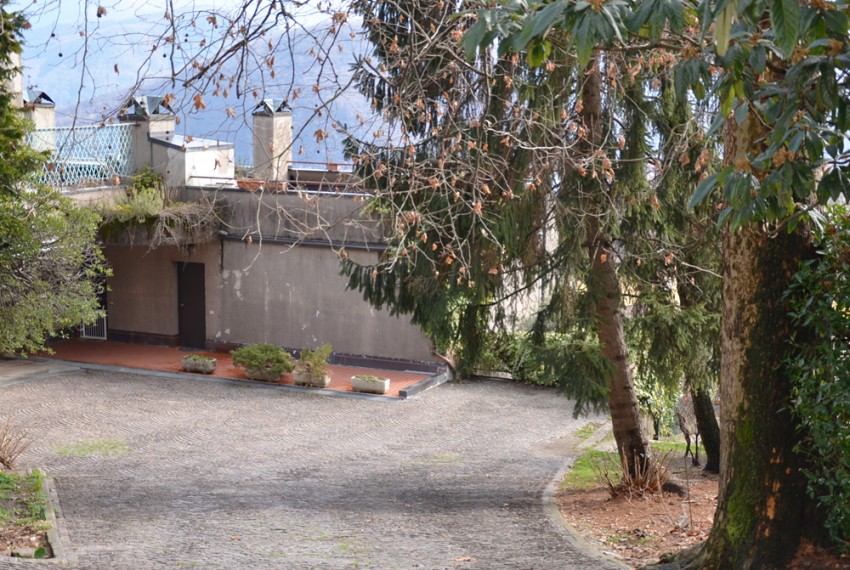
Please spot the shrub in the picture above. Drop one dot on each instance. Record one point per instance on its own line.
(313, 363)
(819, 365)
(570, 361)
(12, 445)
(266, 357)
(649, 479)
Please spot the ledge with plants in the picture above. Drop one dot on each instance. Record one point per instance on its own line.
(146, 215)
(264, 362)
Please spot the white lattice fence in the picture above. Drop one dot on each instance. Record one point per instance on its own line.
(82, 155)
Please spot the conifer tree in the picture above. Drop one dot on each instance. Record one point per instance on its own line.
(778, 70)
(500, 175)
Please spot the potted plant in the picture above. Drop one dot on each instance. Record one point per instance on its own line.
(198, 363)
(312, 368)
(370, 384)
(262, 361)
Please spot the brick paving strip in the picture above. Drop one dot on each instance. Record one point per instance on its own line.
(224, 476)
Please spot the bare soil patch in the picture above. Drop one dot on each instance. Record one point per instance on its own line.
(25, 540)
(23, 530)
(638, 530)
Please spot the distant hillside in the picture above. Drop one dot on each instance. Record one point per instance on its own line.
(116, 62)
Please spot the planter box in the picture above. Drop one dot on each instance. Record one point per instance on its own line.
(262, 374)
(250, 184)
(205, 366)
(314, 381)
(370, 386)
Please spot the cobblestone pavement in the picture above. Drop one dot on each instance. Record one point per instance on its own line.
(188, 474)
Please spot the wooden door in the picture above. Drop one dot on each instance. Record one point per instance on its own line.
(191, 305)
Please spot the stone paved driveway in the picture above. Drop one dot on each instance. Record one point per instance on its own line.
(216, 475)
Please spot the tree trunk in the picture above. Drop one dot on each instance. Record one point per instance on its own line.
(709, 431)
(762, 498)
(604, 287)
(707, 426)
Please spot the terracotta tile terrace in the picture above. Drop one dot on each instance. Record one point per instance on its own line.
(167, 359)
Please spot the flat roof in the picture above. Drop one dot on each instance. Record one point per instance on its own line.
(188, 143)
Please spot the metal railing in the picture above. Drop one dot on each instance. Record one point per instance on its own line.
(84, 155)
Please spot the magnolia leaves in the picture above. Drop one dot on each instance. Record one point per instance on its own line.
(784, 17)
(723, 27)
(525, 26)
(589, 22)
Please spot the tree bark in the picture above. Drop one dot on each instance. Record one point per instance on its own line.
(707, 426)
(604, 288)
(762, 499)
(604, 285)
(709, 430)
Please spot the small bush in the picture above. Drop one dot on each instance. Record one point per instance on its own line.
(12, 445)
(313, 363)
(266, 357)
(652, 474)
(569, 361)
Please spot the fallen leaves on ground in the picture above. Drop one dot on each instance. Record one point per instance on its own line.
(638, 531)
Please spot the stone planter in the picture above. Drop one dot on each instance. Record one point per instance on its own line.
(370, 384)
(205, 365)
(302, 379)
(262, 374)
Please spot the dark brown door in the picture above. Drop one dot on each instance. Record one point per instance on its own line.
(191, 305)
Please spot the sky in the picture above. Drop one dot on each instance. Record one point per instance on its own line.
(128, 51)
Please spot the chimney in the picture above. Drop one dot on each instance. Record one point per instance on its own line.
(272, 125)
(153, 118)
(41, 110)
(15, 82)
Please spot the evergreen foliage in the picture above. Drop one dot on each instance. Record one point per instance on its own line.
(49, 264)
(314, 363)
(265, 357)
(820, 298)
(493, 203)
(776, 71)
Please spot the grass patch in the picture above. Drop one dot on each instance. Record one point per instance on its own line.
(673, 447)
(23, 501)
(105, 447)
(446, 458)
(588, 430)
(582, 475)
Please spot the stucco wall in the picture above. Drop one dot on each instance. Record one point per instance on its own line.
(295, 297)
(289, 296)
(142, 146)
(142, 293)
(168, 162)
(328, 217)
(44, 117)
